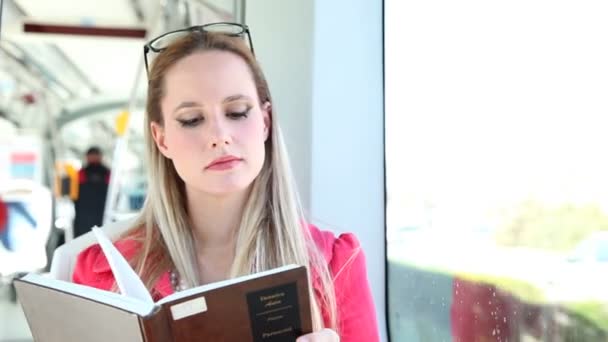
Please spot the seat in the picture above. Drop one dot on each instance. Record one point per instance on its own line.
(27, 208)
(64, 257)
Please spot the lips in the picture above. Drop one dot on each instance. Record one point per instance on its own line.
(224, 162)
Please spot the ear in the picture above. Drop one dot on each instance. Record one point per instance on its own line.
(267, 116)
(158, 134)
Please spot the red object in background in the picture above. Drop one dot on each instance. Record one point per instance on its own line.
(23, 157)
(28, 98)
(481, 312)
(80, 30)
(3, 216)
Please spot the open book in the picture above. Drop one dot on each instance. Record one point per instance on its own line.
(268, 306)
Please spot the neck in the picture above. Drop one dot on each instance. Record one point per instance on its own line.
(215, 220)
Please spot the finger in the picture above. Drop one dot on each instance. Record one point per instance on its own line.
(330, 335)
(325, 335)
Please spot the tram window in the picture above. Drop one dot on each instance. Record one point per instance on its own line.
(497, 180)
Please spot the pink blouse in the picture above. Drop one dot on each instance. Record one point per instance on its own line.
(356, 313)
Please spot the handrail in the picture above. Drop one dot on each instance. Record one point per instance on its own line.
(122, 138)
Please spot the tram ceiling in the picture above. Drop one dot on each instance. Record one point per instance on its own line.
(69, 68)
(71, 114)
(87, 65)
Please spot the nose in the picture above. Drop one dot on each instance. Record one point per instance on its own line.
(219, 134)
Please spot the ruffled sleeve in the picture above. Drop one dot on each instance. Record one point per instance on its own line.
(92, 269)
(346, 260)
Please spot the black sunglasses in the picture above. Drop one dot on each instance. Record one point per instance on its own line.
(161, 42)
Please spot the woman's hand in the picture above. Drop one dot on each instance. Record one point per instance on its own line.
(325, 335)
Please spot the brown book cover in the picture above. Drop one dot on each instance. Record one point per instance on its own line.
(268, 306)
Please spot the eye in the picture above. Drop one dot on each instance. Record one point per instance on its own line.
(236, 115)
(190, 122)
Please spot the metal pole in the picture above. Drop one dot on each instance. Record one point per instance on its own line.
(57, 149)
(243, 11)
(1, 7)
(121, 140)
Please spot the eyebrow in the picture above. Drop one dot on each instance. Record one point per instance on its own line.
(191, 104)
(187, 104)
(235, 98)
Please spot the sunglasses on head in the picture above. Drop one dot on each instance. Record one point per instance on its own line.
(160, 43)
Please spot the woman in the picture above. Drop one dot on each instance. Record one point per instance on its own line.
(221, 201)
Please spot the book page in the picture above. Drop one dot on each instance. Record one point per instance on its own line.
(129, 304)
(58, 316)
(128, 281)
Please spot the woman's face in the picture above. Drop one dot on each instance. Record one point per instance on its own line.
(214, 126)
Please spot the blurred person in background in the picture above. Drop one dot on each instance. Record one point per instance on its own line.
(93, 180)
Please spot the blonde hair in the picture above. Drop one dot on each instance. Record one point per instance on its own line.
(272, 232)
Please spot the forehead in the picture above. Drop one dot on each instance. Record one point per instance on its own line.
(209, 76)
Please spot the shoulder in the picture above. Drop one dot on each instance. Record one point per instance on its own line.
(342, 252)
(93, 269)
(90, 269)
(355, 306)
